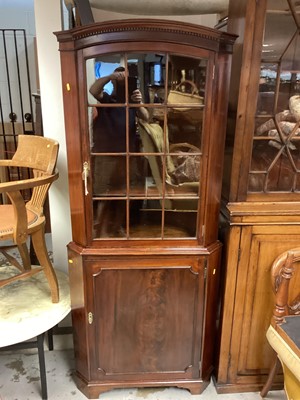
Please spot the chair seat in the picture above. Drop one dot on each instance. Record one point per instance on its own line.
(288, 351)
(7, 217)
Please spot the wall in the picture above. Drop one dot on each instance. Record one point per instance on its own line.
(207, 20)
(48, 20)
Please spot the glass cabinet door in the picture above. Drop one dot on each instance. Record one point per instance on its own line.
(145, 113)
(275, 165)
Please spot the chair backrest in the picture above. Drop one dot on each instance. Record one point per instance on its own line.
(40, 154)
(284, 268)
(36, 152)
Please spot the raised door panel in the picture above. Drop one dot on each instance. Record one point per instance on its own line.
(250, 352)
(148, 320)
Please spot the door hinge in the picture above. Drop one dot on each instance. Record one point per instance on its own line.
(90, 318)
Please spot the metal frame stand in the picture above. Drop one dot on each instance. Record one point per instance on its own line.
(39, 344)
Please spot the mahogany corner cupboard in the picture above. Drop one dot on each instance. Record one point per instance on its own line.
(145, 105)
(261, 186)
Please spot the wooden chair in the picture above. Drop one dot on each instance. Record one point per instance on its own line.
(284, 331)
(20, 219)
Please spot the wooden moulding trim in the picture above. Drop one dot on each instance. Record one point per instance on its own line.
(264, 208)
(147, 25)
(116, 250)
(250, 213)
(94, 389)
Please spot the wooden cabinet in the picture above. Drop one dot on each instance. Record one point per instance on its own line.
(261, 201)
(145, 113)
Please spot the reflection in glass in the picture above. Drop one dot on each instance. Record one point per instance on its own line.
(109, 219)
(267, 86)
(275, 153)
(145, 219)
(279, 29)
(185, 126)
(142, 182)
(153, 179)
(181, 224)
(102, 67)
(146, 148)
(108, 175)
(187, 78)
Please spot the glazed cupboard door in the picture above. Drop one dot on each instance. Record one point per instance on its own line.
(275, 154)
(264, 113)
(145, 152)
(147, 318)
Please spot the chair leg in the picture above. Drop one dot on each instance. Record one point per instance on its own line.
(275, 365)
(24, 253)
(39, 244)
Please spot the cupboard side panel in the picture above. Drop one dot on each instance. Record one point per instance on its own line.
(79, 322)
(73, 141)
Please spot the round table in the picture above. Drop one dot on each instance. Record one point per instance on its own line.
(27, 311)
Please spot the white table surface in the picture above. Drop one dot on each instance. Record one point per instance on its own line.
(26, 309)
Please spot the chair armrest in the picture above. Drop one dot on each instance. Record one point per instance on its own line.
(10, 163)
(27, 183)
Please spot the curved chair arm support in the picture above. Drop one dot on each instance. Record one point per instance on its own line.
(20, 217)
(27, 183)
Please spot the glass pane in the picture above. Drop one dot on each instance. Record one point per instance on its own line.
(108, 175)
(185, 126)
(146, 74)
(295, 10)
(153, 182)
(279, 29)
(187, 78)
(145, 219)
(152, 137)
(184, 171)
(102, 77)
(144, 147)
(181, 223)
(108, 131)
(109, 219)
(142, 182)
(154, 77)
(267, 87)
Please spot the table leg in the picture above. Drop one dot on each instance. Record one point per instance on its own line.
(41, 353)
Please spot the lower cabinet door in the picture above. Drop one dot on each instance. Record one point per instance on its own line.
(245, 354)
(146, 318)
